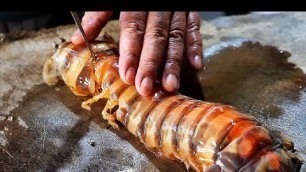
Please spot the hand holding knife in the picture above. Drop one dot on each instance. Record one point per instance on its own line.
(78, 23)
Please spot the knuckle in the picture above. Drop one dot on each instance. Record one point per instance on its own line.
(157, 33)
(134, 25)
(176, 36)
(192, 27)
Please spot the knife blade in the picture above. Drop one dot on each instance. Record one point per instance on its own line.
(78, 23)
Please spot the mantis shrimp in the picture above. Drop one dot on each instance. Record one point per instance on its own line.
(205, 136)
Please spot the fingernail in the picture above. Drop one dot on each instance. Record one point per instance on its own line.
(197, 61)
(130, 75)
(146, 85)
(171, 81)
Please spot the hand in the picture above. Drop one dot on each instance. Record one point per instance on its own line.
(148, 41)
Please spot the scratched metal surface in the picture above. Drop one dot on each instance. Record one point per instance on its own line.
(44, 128)
(257, 63)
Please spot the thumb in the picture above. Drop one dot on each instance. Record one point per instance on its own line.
(92, 22)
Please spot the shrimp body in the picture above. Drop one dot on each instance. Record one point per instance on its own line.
(203, 135)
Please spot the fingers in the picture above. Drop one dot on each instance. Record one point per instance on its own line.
(194, 40)
(133, 27)
(147, 40)
(92, 23)
(171, 75)
(155, 40)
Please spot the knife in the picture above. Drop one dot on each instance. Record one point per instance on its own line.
(78, 23)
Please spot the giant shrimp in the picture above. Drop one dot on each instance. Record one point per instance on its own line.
(205, 136)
